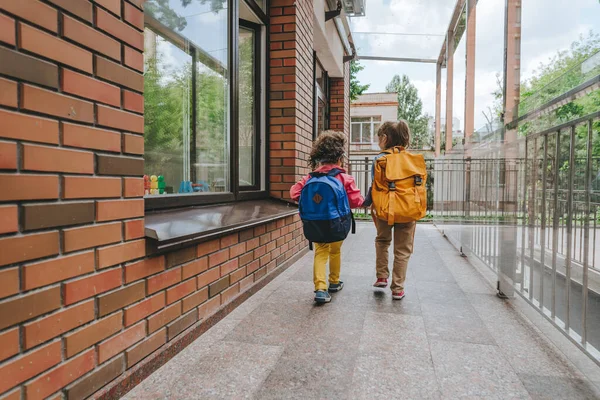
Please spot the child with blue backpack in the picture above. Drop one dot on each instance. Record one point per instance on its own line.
(326, 197)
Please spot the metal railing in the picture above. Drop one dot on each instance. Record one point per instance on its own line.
(529, 210)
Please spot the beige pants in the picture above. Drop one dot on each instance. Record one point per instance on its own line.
(404, 236)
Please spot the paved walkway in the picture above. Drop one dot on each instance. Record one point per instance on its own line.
(451, 337)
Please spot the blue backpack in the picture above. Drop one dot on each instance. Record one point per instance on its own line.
(324, 208)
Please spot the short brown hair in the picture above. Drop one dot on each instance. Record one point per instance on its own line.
(397, 133)
(329, 148)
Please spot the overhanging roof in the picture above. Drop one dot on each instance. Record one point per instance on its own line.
(404, 30)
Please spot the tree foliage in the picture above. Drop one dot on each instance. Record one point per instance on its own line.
(168, 94)
(563, 72)
(410, 109)
(163, 12)
(356, 89)
(560, 74)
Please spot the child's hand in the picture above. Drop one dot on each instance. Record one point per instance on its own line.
(373, 214)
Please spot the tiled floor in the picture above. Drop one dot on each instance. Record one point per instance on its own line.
(451, 337)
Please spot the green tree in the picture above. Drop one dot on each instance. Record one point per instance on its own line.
(356, 89)
(163, 12)
(563, 72)
(410, 109)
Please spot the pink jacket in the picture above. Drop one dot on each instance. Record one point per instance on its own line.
(355, 198)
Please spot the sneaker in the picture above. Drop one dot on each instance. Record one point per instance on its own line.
(398, 295)
(336, 287)
(321, 296)
(381, 282)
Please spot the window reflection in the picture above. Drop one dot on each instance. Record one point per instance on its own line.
(186, 95)
(247, 113)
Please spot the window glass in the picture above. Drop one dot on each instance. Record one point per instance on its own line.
(376, 126)
(355, 133)
(364, 129)
(321, 115)
(168, 120)
(260, 3)
(187, 96)
(319, 73)
(321, 100)
(247, 113)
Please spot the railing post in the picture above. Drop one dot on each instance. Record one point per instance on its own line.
(586, 235)
(367, 186)
(531, 215)
(569, 254)
(438, 106)
(449, 87)
(543, 224)
(555, 221)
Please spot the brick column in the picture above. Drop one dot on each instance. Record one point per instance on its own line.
(291, 93)
(339, 99)
(340, 102)
(71, 206)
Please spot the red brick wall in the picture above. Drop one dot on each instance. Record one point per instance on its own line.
(80, 300)
(291, 91)
(340, 103)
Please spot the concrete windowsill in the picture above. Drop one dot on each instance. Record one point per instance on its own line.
(172, 229)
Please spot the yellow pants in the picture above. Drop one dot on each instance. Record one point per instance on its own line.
(324, 252)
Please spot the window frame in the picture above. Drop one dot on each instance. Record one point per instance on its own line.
(371, 123)
(320, 93)
(256, 29)
(237, 192)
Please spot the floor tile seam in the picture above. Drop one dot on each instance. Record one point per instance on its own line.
(543, 344)
(591, 384)
(527, 322)
(222, 341)
(499, 353)
(435, 369)
(545, 340)
(495, 343)
(522, 319)
(259, 386)
(428, 338)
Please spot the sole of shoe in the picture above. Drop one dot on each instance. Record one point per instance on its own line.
(323, 300)
(398, 297)
(335, 290)
(380, 285)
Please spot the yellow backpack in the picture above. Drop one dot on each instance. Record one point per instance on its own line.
(399, 192)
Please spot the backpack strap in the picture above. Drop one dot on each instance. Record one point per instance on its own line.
(392, 205)
(333, 173)
(353, 222)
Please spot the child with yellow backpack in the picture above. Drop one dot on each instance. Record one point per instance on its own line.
(398, 198)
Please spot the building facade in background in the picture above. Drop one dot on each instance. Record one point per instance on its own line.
(367, 113)
(217, 104)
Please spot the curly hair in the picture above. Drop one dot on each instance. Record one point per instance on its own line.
(329, 148)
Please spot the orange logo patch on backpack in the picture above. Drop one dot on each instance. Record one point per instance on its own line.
(317, 198)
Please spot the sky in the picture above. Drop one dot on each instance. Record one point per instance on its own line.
(547, 27)
(206, 29)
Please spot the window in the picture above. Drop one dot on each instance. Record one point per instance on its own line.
(321, 110)
(202, 112)
(364, 129)
(249, 114)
